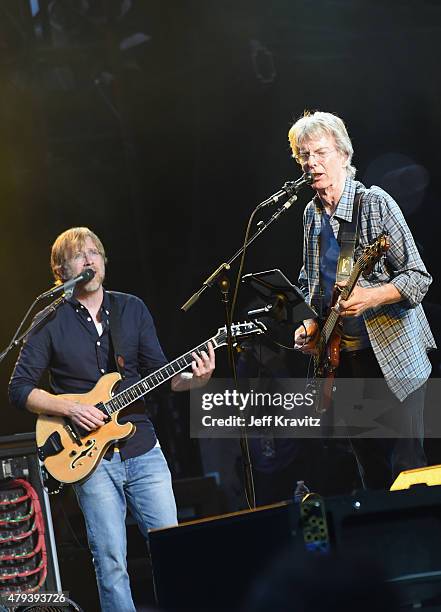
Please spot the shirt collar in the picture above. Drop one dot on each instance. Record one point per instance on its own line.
(346, 202)
(105, 305)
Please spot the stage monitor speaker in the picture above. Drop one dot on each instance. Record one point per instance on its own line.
(430, 476)
(401, 529)
(209, 564)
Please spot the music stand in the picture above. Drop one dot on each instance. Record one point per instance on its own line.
(275, 289)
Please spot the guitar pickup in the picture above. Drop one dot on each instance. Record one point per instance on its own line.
(101, 407)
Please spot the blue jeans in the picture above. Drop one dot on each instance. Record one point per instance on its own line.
(143, 484)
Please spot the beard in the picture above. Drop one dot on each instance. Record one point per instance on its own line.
(90, 286)
(95, 283)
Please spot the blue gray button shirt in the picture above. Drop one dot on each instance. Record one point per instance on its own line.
(68, 345)
(399, 333)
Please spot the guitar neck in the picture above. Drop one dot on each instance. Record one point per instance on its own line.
(334, 314)
(150, 382)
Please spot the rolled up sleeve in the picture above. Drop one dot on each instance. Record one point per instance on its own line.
(412, 285)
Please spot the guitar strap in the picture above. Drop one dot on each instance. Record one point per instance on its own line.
(115, 333)
(347, 239)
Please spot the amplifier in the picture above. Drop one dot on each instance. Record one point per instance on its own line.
(28, 557)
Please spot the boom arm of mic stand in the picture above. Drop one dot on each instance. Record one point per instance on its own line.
(227, 265)
(45, 313)
(207, 283)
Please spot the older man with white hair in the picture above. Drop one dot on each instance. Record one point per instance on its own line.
(385, 333)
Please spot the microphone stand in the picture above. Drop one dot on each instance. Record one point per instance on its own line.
(289, 189)
(67, 288)
(215, 275)
(44, 314)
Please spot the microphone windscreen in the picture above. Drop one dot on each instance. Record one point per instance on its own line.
(88, 274)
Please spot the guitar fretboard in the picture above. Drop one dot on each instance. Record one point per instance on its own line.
(150, 382)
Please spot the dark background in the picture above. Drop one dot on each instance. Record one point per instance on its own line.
(160, 125)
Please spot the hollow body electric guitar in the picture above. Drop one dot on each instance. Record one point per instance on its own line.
(71, 454)
(327, 357)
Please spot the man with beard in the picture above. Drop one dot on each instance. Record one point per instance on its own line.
(75, 346)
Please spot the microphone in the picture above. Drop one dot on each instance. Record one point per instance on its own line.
(290, 188)
(68, 287)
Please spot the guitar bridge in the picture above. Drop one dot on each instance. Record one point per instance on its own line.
(73, 432)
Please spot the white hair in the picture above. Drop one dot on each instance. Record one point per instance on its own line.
(313, 125)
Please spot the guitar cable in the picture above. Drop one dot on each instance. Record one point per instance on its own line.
(284, 346)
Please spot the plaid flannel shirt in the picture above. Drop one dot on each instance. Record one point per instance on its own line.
(399, 333)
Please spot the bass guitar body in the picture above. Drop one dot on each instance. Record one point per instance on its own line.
(325, 371)
(327, 357)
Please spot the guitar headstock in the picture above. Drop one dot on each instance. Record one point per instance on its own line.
(373, 253)
(239, 331)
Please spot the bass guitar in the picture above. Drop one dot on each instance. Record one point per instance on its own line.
(71, 454)
(327, 355)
